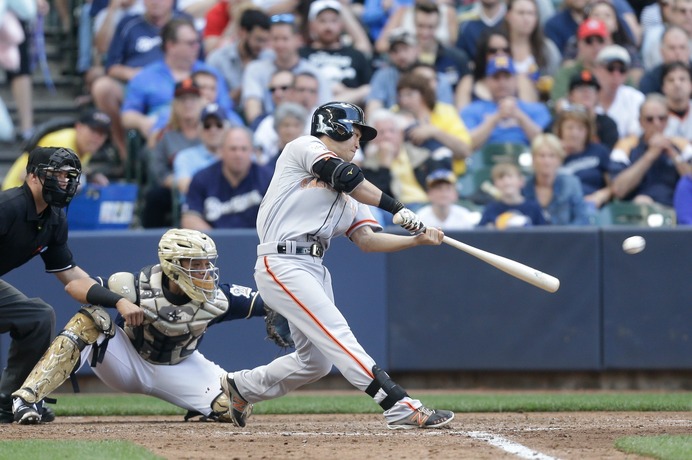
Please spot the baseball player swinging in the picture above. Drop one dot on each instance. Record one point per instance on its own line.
(316, 194)
(180, 298)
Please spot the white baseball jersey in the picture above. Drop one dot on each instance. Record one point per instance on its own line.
(300, 208)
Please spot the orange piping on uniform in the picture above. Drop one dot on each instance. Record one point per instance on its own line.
(309, 313)
(361, 222)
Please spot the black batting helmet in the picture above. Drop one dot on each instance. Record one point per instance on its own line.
(336, 120)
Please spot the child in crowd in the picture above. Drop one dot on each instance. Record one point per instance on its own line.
(443, 212)
(510, 209)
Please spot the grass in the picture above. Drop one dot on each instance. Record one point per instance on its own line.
(92, 450)
(665, 447)
(297, 403)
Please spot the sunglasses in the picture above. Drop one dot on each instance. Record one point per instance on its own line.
(286, 18)
(274, 89)
(594, 39)
(651, 118)
(613, 67)
(501, 49)
(209, 125)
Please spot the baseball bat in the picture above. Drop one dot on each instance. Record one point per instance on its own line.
(511, 267)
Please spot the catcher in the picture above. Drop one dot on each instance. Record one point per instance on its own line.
(180, 298)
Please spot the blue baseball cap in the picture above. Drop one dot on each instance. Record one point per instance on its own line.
(440, 175)
(212, 110)
(497, 64)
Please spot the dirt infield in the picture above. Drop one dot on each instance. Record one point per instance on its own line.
(584, 435)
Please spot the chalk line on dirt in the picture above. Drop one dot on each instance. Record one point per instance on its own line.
(508, 446)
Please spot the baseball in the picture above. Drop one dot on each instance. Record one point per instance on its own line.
(634, 244)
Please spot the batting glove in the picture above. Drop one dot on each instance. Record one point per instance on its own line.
(410, 221)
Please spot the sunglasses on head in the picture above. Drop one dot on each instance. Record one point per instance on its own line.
(652, 118)
(274, 89)
(216, 124)
(590, 40)
(286, 18)
(616, 67)
(500, 49)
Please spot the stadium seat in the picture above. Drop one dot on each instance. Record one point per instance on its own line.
(642, 215)
(517, 153)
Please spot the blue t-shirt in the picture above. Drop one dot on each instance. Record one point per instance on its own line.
(589, 166)
(503, 215)
(222, 206)
(136, 42)
(682, 201)
(150, 92)
(506, 131)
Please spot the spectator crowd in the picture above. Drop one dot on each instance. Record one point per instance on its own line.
(586, 101)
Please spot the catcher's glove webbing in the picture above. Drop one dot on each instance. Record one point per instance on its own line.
(277, 329)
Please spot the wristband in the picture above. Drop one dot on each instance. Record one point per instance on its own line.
(99, 295)
(390, 204)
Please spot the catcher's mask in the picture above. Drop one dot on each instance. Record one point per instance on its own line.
(188, 257)
(58, 169)
(336, 120)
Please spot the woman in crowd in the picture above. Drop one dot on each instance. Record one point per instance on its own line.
(584, 158)
(472, 87)
(534, 55)
(560, 195)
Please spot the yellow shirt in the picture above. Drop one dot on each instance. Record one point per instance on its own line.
(407, 187)
(66, 138)
(446, 118)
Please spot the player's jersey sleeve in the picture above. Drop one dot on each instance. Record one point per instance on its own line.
(243, 302)
(363, 218)
(309, 150)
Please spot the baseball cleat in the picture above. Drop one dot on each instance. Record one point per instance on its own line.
(423, 418)
(25, 413)
(240, 409)
(47, 414)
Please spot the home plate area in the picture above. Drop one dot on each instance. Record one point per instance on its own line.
(557, 435)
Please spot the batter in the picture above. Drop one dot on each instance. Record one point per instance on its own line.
(317, 194)
(180, 298)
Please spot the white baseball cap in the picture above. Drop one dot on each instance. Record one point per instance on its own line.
(322, 5)
(612, 53)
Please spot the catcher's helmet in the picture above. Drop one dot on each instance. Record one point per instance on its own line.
(199, 279)
(336, 120)
(59, 170)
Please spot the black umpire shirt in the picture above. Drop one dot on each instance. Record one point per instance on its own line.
(25, 234)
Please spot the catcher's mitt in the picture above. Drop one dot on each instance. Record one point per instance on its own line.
(277, 329)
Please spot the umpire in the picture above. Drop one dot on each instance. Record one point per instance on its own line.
(33, 222)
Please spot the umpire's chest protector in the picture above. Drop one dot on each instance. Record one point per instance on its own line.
(174, 331)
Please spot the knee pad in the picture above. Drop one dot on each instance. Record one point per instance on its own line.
(383, 382)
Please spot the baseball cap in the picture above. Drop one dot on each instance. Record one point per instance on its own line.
(440, 175)
(95, 119)
(612, 53)
(584, 78)
(592, 27)
(212, 110)
(186, 86)
(498, 64)
(401, 35)
(322, 5)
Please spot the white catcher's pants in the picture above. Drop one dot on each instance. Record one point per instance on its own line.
(191, 384)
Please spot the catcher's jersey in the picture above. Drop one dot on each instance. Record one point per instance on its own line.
(174, 324)
(300, 207)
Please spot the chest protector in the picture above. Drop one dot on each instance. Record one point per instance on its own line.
(170, 332)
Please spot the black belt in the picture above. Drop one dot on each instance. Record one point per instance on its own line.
(314, 249)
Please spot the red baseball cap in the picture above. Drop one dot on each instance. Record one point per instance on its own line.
(592, 27)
